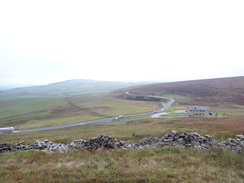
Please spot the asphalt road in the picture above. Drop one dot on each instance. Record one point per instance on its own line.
(165, 106)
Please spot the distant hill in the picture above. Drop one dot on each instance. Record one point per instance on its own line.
(69, 88)
(224, 89)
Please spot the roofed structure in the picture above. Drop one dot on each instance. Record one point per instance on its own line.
(198, 110)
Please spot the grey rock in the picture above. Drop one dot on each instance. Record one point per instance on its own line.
(182, 140)
(240, 137)
(20, 143)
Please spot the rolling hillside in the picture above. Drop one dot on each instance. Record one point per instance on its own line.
(218, 90)
(69, 88)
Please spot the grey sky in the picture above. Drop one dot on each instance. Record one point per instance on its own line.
(47, 41)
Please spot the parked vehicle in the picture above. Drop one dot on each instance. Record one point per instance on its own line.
(7, 130)
(119, 117)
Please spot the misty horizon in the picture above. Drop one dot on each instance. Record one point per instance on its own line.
(119, 41)
(9, 87)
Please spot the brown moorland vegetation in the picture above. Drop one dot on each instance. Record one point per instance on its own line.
(148, 165)
(219, 90)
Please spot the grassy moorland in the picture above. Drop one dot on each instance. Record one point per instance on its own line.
(26, 113)
(218, 128)
(16, 106)
(148, 165)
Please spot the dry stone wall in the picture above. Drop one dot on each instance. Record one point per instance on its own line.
(45, 145)
(191, 140)
(177, 139)
(101, 142)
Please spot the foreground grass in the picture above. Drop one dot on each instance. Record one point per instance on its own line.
(148, 165)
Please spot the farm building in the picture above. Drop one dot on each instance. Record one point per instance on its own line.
(198, 110)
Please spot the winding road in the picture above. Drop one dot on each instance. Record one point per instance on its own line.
(165, 106)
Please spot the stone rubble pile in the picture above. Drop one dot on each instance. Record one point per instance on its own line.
(49, 146)
(178, 139)
(150, 142)
(103, 141)
(184, 140)
(189, 140)
(234, 144)
(45, 145)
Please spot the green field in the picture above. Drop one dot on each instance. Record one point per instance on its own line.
(16, 106)
(175, 114)
(56, 122)
(113, 107)
(26, 113)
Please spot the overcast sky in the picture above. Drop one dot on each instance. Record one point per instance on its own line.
(128, 40)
